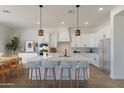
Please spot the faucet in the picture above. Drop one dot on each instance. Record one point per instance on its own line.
(65, 53)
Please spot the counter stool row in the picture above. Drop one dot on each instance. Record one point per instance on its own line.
(81, 67)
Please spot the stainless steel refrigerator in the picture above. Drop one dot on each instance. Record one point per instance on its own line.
(105, 54)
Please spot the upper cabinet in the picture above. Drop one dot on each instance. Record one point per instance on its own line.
(87, 40)
(75, 40)
(45, 38)
(102, 32)
(96, 39)
(53, 40)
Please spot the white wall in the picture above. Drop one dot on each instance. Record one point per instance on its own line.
(117, 45)
(118, 71)
(104, 29)
(31, 34)
(5, 34)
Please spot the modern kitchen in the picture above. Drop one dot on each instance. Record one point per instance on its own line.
(61, 46)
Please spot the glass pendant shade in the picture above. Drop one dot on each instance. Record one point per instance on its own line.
(41, 32)
(77, 32)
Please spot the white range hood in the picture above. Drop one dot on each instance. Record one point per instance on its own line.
(64, 35)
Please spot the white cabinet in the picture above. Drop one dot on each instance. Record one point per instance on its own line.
(75, 40)
(87, 40)
(92, 40)
(45, 38)
(53, 40)
(95, 59)
(26, 56)
(96, 39)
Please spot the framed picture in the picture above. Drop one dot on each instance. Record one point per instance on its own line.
(29, 46)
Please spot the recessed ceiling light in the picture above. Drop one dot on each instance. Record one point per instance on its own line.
(37, 22)
(70, 11)
(100, 9)
(62, 22)
(6, 11)
(86, 23)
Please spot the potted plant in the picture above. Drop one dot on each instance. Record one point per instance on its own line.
(13, 44)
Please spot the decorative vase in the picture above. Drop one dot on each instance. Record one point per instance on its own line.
(44, 54)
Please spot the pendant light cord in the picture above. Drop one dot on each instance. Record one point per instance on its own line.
(40, 16)
(77, 17)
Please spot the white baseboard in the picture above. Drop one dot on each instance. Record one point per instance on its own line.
(116, 77)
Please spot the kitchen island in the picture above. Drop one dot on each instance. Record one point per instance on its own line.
(74, 58)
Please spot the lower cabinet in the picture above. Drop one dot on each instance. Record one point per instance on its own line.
(95, 58)
(26, 56)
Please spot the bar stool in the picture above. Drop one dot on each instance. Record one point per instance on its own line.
(49, 66)
(32, 66)
(81, 66)
(65, 66)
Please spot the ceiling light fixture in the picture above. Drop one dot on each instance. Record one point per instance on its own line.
(37, 22)
(40, 31)
(77, 31)
(86, 23)
(6, 11)
(62, 22)
(100, 9)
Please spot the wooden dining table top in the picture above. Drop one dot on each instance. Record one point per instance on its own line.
(8, 59)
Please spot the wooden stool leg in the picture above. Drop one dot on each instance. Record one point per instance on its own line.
(78, 76)
(84, 74)
(31, 74)
(61, 74)
(27, 77)
(45, 75)
(69, 72)
(54, 76)
(36, 76)
(40, 76)
(22, 66)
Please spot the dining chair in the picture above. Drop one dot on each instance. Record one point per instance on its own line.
(4, 71)
(50, 66)
(82, 68)
(16, 67)
(33, 67)
(65, 66)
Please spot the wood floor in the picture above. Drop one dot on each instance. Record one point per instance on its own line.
(98, 79)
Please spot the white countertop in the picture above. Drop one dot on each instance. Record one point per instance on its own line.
(56, 57)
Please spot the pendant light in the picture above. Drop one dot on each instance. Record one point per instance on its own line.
(40, 31)
(77, 31)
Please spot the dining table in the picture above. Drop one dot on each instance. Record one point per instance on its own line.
(6, 62)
